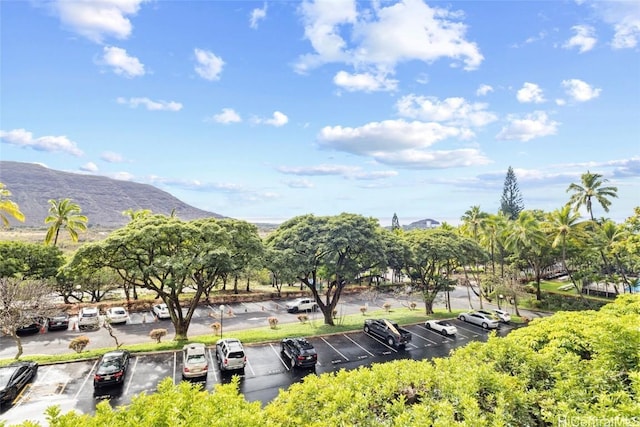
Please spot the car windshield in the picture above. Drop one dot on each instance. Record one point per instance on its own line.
(110, 364)
(196, 358)
(120, 311)
(5, 376)
(236, 355)
(89, 314)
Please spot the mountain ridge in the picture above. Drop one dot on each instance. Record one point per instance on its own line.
(101, 199)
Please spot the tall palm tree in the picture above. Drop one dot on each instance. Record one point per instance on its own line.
(591, 188)
(8, 207)
(472, 221)
(564, 224)
(66, 214)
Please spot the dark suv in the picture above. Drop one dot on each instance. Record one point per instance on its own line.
(111, 369)
(300, 352)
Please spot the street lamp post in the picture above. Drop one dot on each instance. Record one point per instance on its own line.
(221, 317)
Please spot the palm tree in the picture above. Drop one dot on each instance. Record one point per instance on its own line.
(472, 221)
(8, 207)
(591, 188)
(64, 213)
(564, 224)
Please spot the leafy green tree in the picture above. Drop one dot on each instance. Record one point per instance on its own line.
(528, 241)
(590, 188)
(8, 207)
(65, 214)
(167, 255)
(564, 225)
(342, 246)
(473, 222)
(432, 256)
(511, 203)
(29, 260)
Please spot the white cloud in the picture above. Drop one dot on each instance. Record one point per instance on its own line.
(624, 18)
(382, 37)
(365, 82)
(151, 105)
(228, 115)
(584, 38)
(453, 111)
(580, 91)
(530, 92)
(402, 144)
(96, 20)
(209, 65)
(111, 157)
(89, 167)
(532, 126)
(347, 172)
(278, 119)
(483, 90)
(299, 183)
(121, 62)
(24, 139)
(257, 15)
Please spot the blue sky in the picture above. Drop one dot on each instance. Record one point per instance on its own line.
(267, 110)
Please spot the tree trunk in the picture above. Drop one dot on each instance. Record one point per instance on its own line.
(18, 341)
(428, 306)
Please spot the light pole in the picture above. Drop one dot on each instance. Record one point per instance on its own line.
(221, 317)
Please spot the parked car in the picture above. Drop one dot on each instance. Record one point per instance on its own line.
(58, 321)
(300, 352)
(443, 326)
(33, 327)
(13, 378)
(502, 315)
(390, 332)
(480, 319)
(117, 315)
(194, 363)
(112, 369)
(302, 304)
(88, 318)
(230, 354)
(161, 311)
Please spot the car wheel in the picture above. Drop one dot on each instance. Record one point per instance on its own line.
(391, 341)
(366, 329)
(292, 363)
(428, 325)
(484, 325)
(444, 333)
(464, 319)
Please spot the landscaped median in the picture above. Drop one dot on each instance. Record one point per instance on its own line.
(314, 326)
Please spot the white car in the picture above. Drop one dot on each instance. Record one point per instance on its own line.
(502, 315)
(117, 315)
(481, 319)
(88, 318)
(444, 327)
(161, 311)
(195, 364)
(302, 305)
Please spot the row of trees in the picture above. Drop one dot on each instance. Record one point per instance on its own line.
(325, 253)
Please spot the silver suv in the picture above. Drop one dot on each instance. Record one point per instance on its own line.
(88, 318)
(230, 354)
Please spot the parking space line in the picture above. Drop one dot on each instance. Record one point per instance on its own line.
(89, 375)
(175, 366)
(473, 331)
(212, 360)
(367, 351)
(279, 356)
(133, 371)
(251, 368)
(381, 342)
(335, 349)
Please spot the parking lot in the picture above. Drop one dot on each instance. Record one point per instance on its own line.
(70, 385)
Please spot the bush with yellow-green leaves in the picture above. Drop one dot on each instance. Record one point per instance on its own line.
(573, 368)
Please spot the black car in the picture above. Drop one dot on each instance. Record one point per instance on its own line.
(112, 369)
(13, 378)
(33, 327)
(58, 322)
(300, 352)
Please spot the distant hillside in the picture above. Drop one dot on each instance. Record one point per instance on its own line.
(102, 199)
(423, 223)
